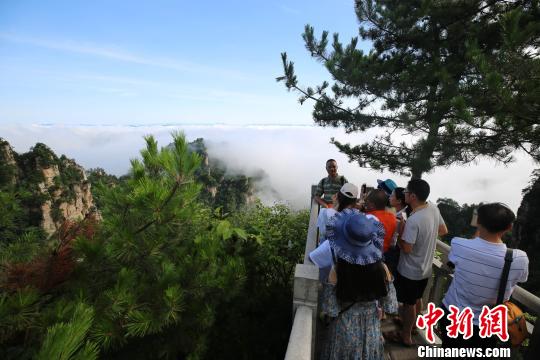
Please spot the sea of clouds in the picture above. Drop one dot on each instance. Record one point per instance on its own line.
(293, 157)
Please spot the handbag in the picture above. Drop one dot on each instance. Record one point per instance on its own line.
(517, 325)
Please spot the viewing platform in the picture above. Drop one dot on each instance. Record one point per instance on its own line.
(307, 331)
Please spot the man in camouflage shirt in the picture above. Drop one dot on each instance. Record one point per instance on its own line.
(329, 185)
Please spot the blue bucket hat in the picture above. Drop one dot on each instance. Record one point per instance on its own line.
(356, 237)
(387, 185)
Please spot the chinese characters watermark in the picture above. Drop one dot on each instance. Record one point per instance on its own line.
(492, 321)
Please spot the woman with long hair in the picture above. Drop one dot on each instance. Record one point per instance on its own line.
(355, 284)
(397, 201)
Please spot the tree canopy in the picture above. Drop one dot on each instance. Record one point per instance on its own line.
(159, 275)
(445, 81)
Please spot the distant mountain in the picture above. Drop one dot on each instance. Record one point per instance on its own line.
(38, 189)
(43, 188)
(221, 188)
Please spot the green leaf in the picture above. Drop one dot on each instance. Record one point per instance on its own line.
(241, 233)
(65, 341)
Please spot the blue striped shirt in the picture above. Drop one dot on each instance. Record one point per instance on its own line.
(477, 274)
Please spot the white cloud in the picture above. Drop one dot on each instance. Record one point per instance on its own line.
(292, 156)
(118, 54)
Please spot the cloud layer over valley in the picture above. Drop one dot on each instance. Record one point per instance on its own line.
(293, 157)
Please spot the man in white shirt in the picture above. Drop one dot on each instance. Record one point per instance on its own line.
(417, 246)
(478, 269)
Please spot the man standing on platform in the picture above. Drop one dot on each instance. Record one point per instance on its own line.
(329, 185)
(417, 246)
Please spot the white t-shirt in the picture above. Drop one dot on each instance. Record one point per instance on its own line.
(478, 271)
(401, 216)
(324, 216)
(421, 230)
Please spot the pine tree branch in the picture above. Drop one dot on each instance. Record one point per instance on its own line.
(530, 153)
(176, 186)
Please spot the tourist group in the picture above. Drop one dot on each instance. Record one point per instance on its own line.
(375, 254)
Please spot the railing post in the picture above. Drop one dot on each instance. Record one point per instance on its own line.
(426, 298)
(305, 294)
(313, 190)
(437, 290)
(306, 281)
(312, 235)
(299, 347)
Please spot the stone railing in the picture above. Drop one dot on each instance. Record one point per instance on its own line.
(439, 282)
(306, 280)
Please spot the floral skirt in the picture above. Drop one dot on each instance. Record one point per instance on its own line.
(355, 334)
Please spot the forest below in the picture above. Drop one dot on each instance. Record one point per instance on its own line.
(159, 268)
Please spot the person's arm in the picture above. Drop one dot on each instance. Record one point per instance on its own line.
(320, 201)
(407, 241)
(404, 246)
(318, 193)
(443, 230)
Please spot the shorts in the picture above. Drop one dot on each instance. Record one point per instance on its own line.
(408, 291)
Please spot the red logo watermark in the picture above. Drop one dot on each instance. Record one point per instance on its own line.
(460, 323)
(429, 320)
(492, 321)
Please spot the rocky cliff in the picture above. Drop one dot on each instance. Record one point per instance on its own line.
(230, 191)
(51, 189)
(526, 231)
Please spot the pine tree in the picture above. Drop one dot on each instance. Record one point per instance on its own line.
(151, 274)
(442, 81)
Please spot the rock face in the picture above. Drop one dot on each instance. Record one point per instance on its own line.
(8, 164)
(58, 187)
(230, 191)
(526, 231)
(72, 201)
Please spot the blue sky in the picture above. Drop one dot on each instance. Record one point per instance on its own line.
(161, 61)
(116, 63)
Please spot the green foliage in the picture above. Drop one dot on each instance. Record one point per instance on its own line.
(100, 181)
(8, 172)
(441, 81)
(230, 192)
(508, 78)
(11, 216)
(66, 341)
(44, 156)
(22, 247)
(56, 212)
(152, 277)
(457, 218)
(17, 218)
(69, 173)
(169, 257)
(526, 231)
(164, 276)
(256, 323)
(18, 312)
